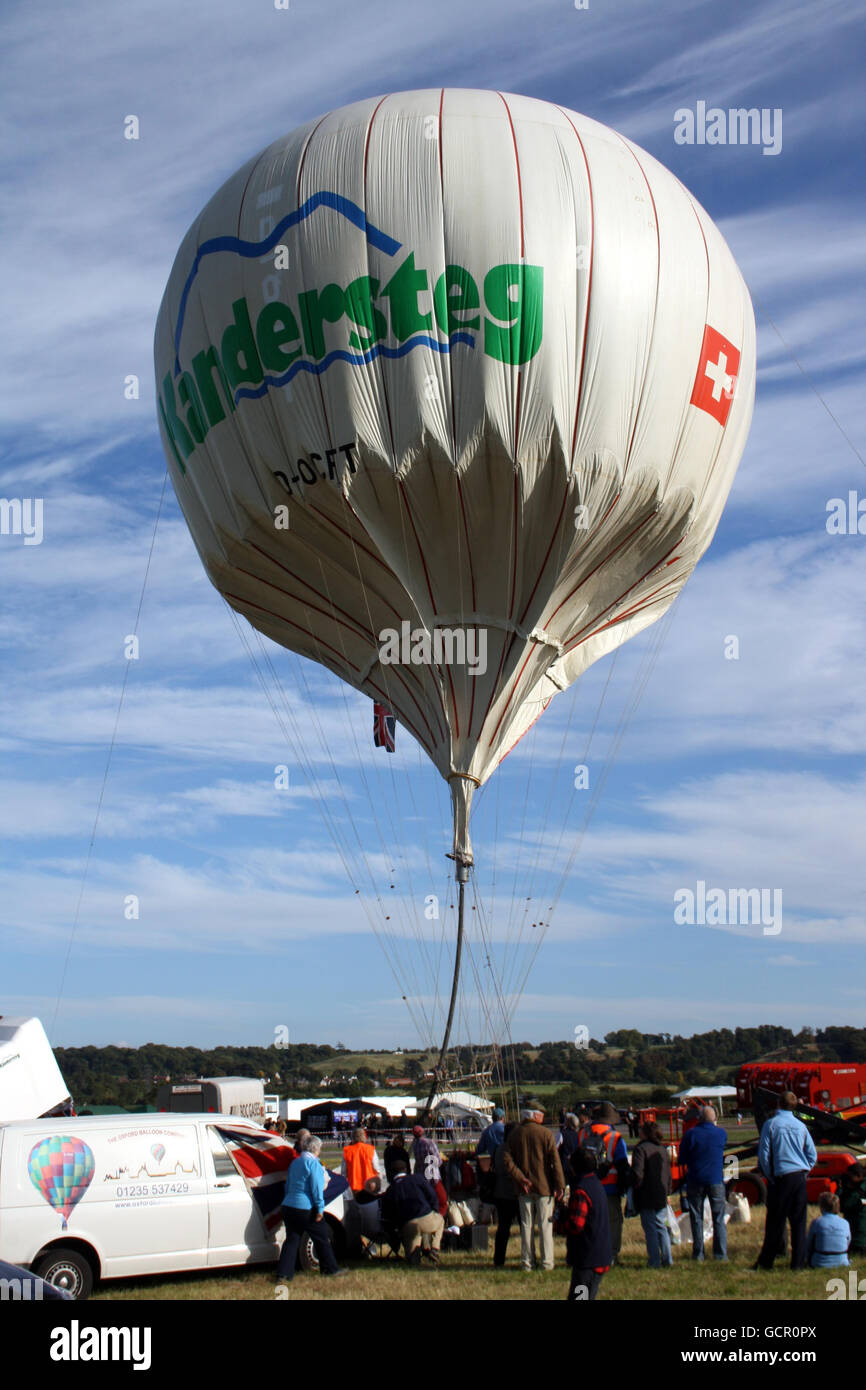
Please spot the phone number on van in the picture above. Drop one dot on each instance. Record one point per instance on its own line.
(154, 1189)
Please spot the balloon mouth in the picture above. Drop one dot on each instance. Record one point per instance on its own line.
(462, 786)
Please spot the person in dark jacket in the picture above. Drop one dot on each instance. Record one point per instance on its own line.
(702, 1155)
(410, 1212)
(602, 1135)
(651, 1175)
(504, 1200)
(586, 1228)
(568, 1138)
(852, 1197)
(395, 1151)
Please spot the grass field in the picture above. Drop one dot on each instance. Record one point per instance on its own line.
(466, 1276)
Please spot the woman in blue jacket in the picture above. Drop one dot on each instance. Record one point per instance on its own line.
(829, 1235)
(304, 1212)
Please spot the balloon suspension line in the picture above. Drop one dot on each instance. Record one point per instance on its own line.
(439, 1070)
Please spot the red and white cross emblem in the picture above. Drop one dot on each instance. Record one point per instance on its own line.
(716, 377)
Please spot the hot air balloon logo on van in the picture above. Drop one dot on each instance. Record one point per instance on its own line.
(61, 1169)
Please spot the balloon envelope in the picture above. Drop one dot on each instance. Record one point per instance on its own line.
(453, 386)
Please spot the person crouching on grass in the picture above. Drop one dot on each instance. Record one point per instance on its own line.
(586, 1227)
(410, 1213)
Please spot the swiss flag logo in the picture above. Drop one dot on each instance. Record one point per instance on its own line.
(716, 377)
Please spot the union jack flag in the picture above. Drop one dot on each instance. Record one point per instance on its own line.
(384, 727)
(263, 1161)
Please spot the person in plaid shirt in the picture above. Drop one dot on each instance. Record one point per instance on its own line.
(586, 1227)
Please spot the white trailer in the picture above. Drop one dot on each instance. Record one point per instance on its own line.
(223, 1095)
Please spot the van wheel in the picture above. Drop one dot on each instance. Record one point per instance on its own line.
(66, 1269)
(307, 1257)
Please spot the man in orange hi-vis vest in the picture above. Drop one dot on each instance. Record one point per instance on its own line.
(361, 1163)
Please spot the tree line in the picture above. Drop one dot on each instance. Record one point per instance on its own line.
(129, 1076)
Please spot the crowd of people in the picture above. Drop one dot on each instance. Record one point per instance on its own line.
(573, 1184)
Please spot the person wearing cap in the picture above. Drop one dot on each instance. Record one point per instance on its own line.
(531, 1160)
(786, 1154)
(503, 1196)
(493, 1135)
(425, 1151)
(614, 1171)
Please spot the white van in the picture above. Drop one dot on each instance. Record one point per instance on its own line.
(118, 1195)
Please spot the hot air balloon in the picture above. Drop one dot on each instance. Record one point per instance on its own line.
(453, 386)
(61, 1169)
(158, 1152)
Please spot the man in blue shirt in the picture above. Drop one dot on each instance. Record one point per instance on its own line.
(304, 1212)
(493, 1135)
(785, 1155)
(702, 1155)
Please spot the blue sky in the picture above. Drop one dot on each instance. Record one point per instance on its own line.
(742, 773)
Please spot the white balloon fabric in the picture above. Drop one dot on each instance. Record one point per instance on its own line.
(453, 386)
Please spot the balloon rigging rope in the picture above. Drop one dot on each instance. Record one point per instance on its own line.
(296, 742)
(514, 942)
(109, 756)
(645, 670)
(503, 1031)
(412, 924)
(797, 363)
(516, 927)
(514, 963)
(387, 848)
(384, 933)
(541, 837)
(513, 939)
(386, 678)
